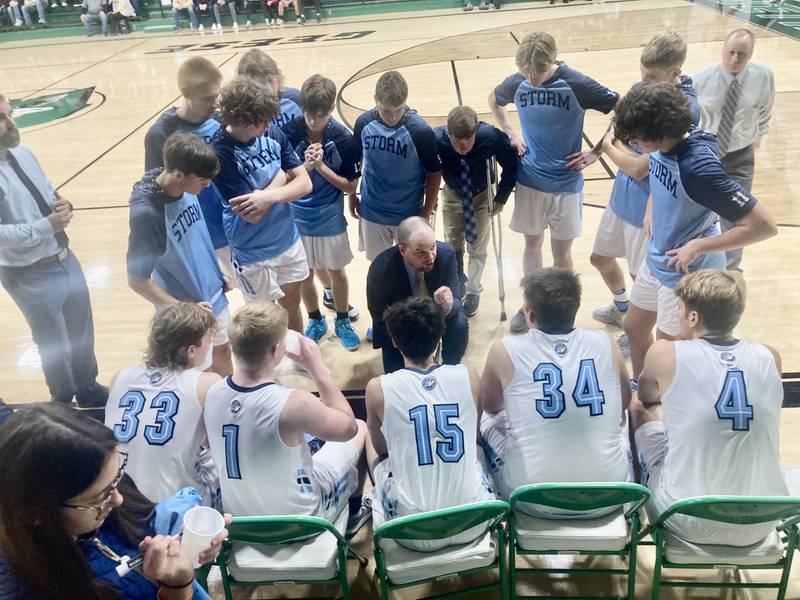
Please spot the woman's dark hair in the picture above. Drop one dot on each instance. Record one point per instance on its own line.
(416, 325)
(652, 112)
(50, 453)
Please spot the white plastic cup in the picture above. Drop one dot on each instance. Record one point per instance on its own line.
(292, 342)
(201, 525)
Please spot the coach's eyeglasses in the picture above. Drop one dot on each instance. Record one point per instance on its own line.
(100, 508)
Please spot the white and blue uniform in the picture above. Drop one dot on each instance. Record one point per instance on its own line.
(429, 424)
(169, 242)
(719, 436)
(156, 417)
(396, 162)
(259, 473)
(563, 416)
(244, 168)
(289, 108)
(321, 213)
(551, 117)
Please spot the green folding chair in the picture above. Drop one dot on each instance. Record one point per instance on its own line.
(615, 534)
(286, 550)
(398, 567)
(773, 553)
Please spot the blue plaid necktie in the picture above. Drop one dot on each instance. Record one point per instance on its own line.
(465, 189)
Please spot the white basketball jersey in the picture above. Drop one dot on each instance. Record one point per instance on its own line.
(564, 410)
(721, 416)
(259, 474)
(157, 419)
(430, 425)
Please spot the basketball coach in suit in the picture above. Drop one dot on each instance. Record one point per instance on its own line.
(418, 265)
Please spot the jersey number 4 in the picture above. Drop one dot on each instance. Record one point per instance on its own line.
(449, 450)
(587, 390)
(732, 402)
(158, 434)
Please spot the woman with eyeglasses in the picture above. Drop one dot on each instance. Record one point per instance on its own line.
(67, 512)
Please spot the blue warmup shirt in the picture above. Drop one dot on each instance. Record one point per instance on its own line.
(629, 196)
(244, 168)
(169, 242)
(290, 108)
(396, 161)
(321, 214)
(168, 123)
(551, 117)
(690, 188)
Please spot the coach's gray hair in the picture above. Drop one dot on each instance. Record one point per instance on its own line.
(407, 228)
(742, 31)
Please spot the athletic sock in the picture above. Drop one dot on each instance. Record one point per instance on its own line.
(315, 315)
(341, 315)
(328, 293)
(634, 384)
(354, 504)
(621, 300)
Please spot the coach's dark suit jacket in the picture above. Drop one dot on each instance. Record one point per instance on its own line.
(387, 283)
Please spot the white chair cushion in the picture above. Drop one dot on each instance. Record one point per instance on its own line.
(609, 533)
(312, 559)
(404, 565)
(766, 552)
(792, 475)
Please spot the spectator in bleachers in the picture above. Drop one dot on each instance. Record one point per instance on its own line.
(121, 11)
(202, 8)
(67, 507)
(298, 10)
(11, 8)
(184, 8)
(94, 12)
(253, 6)
(30, 5)
(231, 5)
(556, 391)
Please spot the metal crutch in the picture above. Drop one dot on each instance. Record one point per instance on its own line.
(497, 238)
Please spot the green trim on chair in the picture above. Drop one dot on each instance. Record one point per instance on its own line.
(738, 510)
(440, 524)
(284, 530)
(580, 497)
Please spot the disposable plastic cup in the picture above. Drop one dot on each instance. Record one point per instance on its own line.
(201, 525)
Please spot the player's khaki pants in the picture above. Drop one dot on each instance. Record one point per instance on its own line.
(453, 218)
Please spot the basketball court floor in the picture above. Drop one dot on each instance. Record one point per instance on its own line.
(94, 153)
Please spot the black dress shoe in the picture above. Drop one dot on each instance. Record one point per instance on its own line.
(470, 304)
(95, 397)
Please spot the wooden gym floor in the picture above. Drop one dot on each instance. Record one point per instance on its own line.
(95, 155)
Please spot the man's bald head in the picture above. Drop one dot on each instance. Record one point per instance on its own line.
(737, 50)
(417, 243)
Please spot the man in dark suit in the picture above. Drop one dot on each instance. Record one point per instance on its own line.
(418, 265)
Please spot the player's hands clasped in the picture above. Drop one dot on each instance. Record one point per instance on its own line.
(253, 206)
(61, 215)
(444, 298)
(313, 157)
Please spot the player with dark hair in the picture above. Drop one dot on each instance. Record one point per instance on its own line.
(689, 189)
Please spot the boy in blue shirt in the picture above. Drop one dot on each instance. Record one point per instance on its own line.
(621, 232)
(170, 255)
(551, 100)
(465, 144)
(260, 66)
(255, 159)
(400, 166)
(199, 81)
(689, 189)
(331, 158)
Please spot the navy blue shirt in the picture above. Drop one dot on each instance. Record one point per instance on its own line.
(489, 142)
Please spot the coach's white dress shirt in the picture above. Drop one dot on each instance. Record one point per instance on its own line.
(754, 110)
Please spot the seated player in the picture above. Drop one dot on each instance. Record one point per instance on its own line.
(423, 424)
(267, 253)
(465, 144)
(689, 189)
(156, 408)
(621, 231)
(551, 101)
(260, 66)
(417, 266)
(257, 429)
(331, 158)
(401, 168)
(170, 255)
(717, 399)
(554, 398)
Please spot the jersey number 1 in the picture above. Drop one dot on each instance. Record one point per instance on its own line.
(452, 448)
(732, 402)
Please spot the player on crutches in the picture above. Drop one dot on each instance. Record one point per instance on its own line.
(497, 238)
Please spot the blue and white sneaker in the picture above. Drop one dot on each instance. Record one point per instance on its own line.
(316, 328)
(344, 331)
(369, 334)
